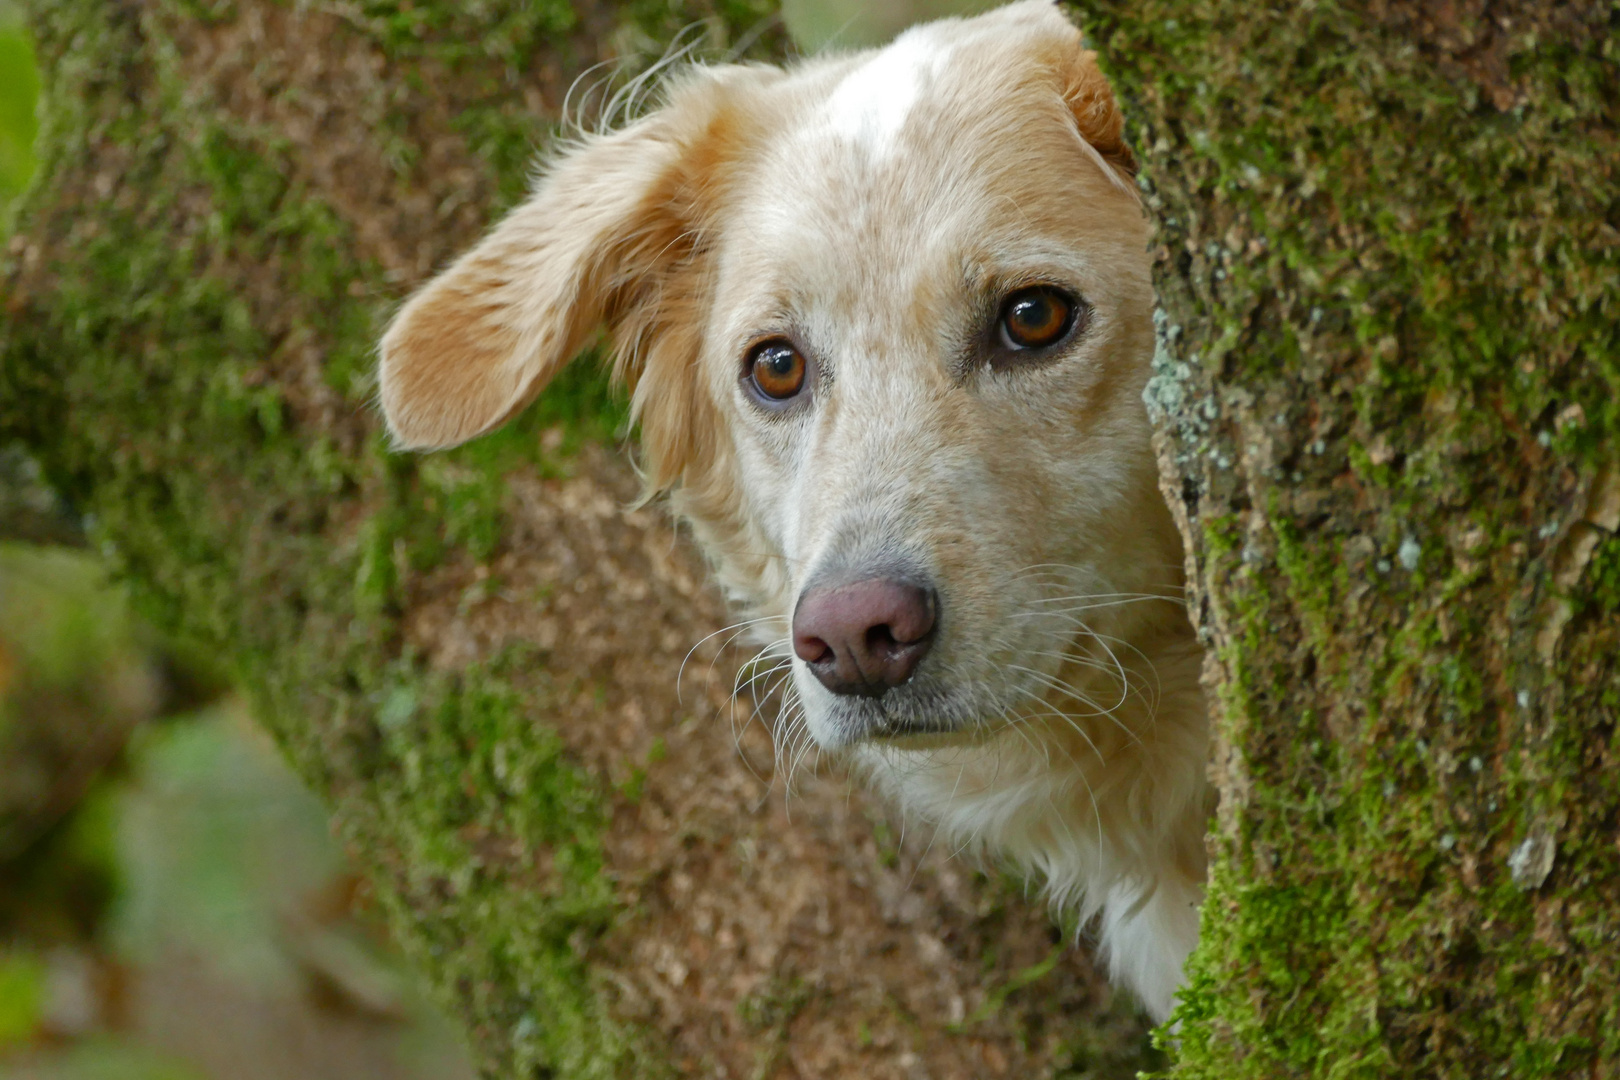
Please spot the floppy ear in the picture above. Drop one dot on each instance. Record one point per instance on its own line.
(1096, 113)
(1097, 116)
(482, 339)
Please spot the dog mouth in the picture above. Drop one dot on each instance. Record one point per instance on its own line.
(918, 713)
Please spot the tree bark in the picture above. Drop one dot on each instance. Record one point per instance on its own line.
(474, 657)
(1387, 388)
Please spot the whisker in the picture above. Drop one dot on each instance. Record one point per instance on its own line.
(1093, 603)
(760, 699)
(1069, 690)
(739, 627)
(1080, 772)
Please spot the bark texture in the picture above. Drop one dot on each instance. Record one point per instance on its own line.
(1389, 392)
(472, 656)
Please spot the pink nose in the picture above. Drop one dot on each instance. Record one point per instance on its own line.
(864, 637)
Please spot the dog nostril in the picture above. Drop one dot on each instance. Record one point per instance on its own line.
(883, 641)
(812, 650)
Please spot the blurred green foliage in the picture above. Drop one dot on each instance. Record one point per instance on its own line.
(216, 843)
(60, 622)
(180, 853)
(106, 1058)
(856, 24)
(76, 674)
(19, 93)
(22, 993)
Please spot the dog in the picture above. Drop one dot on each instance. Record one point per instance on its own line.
(886, 318)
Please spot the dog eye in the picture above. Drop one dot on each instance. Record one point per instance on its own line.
(1036, 317)
(776, 369)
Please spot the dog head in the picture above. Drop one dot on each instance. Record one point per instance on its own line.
(886, 318)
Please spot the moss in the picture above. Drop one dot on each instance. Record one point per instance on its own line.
(22, 997)
(508, 30)
(476, 799)
(288, 544)
(1603, 577)
(19, 92)
(998, 995)
(1383, 256)
(775, 1004)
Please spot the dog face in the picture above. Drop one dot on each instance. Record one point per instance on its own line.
(887, 318)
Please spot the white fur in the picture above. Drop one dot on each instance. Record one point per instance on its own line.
(871, 103)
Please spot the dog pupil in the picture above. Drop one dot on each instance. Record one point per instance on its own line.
(1034, 316)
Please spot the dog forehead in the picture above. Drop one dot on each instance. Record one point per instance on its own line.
(846, 155)
(870, 104)
(883, 173)
(819, 201)
(919, 123)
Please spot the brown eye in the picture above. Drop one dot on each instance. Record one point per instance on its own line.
(1036, 317)
(776, 369)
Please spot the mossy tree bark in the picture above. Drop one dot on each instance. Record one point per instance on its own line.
(472, 656)
(1389, 392)
(1388, 381)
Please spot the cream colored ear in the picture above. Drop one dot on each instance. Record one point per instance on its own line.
(1097, 114)
(478, 342)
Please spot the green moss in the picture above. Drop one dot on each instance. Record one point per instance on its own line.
(147, 381)
(1225, 533)
(507, 30)
(476, 797)
(1393, 307)
(19, 93)
(22, 996)
(775, 1004)
(997, 998)
(1602, 580)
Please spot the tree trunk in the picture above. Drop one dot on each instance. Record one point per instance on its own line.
(472, 656)
(1389, 392)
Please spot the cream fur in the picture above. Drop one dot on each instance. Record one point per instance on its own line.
(876, 208)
